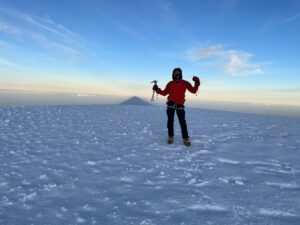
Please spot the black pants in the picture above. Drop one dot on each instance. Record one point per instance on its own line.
(181, 117)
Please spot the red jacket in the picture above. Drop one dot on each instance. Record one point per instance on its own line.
(176, 90)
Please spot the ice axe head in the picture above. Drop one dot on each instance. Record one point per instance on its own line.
(155, 81)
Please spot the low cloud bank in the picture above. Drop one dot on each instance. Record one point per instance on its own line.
(13, 98)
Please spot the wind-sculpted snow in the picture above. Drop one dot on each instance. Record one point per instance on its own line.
(111, 165)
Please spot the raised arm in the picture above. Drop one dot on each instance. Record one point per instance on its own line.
(196, 85)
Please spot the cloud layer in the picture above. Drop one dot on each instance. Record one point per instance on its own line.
(233, 62)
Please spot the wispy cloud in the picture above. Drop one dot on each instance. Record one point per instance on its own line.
(233, 62)
(55, 46)
(131, 31)
(9, 28)
(50, 26)
(228, 4)
(142, 24)
(291, 18)
(198, 54)
(166, 10)
(43, 31)
(279, 22)
(238, 64)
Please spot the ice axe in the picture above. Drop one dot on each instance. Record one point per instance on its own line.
(155, 83)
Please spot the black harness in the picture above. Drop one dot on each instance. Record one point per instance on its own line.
(175, 106)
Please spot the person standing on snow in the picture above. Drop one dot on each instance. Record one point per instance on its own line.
(176, 90)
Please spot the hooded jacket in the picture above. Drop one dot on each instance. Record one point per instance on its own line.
(176, 90)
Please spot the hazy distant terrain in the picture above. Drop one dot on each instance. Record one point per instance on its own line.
(15, 98)
(110, 164)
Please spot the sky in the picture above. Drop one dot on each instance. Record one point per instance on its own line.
(242, 50)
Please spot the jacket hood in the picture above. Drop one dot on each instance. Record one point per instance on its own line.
(175, 73)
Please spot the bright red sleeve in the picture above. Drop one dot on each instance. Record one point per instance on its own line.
(191, 88)
(164, 92)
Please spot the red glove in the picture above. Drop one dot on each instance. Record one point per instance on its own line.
(196, 80)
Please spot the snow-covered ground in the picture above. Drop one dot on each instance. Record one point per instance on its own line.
(111, 165)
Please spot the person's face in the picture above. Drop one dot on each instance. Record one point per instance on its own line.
(177, 75)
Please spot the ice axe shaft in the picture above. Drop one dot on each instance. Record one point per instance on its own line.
(155, 83)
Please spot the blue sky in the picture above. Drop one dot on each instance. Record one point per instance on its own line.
(243, 50)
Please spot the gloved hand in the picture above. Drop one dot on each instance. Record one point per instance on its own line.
(155, 87)
(196, 80)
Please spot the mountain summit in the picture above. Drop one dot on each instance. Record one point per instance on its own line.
(144, 180)
(134, 101)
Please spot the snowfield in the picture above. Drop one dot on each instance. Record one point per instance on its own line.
(110, 164)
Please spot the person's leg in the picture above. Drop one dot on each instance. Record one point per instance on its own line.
(182, 122)
(170, 124)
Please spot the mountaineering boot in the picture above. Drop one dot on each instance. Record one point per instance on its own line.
(170, 140)
(186, 142)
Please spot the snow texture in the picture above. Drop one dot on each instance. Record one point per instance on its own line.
(110, 164)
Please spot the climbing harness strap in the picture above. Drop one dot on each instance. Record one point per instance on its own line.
(175, 106)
